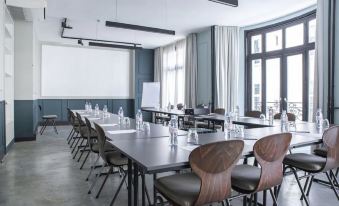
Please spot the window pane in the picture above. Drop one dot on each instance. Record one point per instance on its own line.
(256, 44)
(274, 40)
(256, 85)
(273, 84)
(295, 85)
(311, 67)
(295, 35)
(312, 25)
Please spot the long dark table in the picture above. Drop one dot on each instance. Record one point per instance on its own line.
(152, 154)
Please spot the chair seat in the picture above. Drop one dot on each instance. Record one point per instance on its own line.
(115, 158)
(245, 178)
(322, 152)
(182, 189)
(84, 132)
(95, 148)
(49, 117)
(306, 162)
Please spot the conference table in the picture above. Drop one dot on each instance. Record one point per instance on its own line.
(149, 153)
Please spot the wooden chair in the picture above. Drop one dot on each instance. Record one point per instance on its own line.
(314, 164)
(254, 114)
(269, 153)
(291, 117)
(210, 180)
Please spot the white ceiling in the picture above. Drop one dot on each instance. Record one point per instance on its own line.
(183, 16)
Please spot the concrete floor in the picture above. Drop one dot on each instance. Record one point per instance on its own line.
(43, 173)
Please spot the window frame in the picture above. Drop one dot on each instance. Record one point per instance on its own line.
(282, 54)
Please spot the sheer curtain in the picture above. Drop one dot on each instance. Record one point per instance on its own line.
(226, 66)
(191, 71)
(171, 74)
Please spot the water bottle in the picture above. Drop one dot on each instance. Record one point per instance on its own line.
(236, 113)
(139, 120)
(89, 107)
(86, 106)
(121, 114)
(169, 106)
(96, 109)
(319, 119)
(270, 116)
(284, 121)
(104, 110)
(228, 122)
(173, 129)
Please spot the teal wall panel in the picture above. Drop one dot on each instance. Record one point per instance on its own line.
(2, 130)
(23, 119)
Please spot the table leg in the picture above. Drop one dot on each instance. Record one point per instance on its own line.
(154, 190)
(143, 186)
(129, 182)
(136, 184)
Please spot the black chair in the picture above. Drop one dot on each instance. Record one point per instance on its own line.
(210, 180)
(76, 130)
(269, 152)
(49, 120)
(314, 164)
(112, 160)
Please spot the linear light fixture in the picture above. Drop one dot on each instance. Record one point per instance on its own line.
(139, 28)
(119, 46)
(233, 3)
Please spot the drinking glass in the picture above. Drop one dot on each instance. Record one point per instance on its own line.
(262, 117)
(192, 136)
(127, 121)
(326, 124)
(147, 127)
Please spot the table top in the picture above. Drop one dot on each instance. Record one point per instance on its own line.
(164, 111)
(116, 131)
(156, 155)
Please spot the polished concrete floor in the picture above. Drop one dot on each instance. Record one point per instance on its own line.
(43, 173)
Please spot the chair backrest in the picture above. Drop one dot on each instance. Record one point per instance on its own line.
(69, 115)
(254, 114)
(89, 132)
(270, 151)
(101, 141)
(291, 117)
(331, 141)
(213, 163)
(81, 122)
(219, 111)
(180, 106)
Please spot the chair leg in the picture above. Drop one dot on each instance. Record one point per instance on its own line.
(104, 182)
(300, 187)
(76, 144)
(331, 182)
(78, 148)
(275, 203)
(70, 133)
(72, 137)
(96, 179)
(309, 186)
(337, 172)
(305, 187)
(83, 150)
(54, 126)
(86, 157)
(264, 197)
(118, 191)
(244, 201)
(44, 125)
(92, 168)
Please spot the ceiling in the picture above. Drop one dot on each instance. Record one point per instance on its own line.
(87, 17)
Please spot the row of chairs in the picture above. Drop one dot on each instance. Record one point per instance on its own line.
(84, 138)
(214, 170)
(215, 173)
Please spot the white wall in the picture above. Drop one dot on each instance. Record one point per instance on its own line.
(336, 73)
(1, 50)
(23, 60)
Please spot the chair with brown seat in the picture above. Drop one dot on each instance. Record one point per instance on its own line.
(254, 114)
(269, 152)
(314, 164)
(112, 159)
(291, 117)
(210, 180)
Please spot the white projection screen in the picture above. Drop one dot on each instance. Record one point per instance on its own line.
(86, 72)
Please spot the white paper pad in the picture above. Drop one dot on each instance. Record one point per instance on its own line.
(94, 118)
(122, 131)
(108, 125)
(189, 147)
(85, 115)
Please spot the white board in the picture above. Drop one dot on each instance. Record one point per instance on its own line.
(150, 94)
(86, 72)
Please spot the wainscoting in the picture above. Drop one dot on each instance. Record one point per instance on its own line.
(28, 113)
(2, 130)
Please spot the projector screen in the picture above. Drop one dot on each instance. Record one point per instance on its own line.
(86, 72)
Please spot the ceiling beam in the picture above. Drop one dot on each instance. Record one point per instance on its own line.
(233, 3)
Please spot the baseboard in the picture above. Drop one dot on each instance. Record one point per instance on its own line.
(10, 145)
(24, 139)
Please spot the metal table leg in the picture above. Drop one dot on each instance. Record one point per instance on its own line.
(129, 182)
(135, 184)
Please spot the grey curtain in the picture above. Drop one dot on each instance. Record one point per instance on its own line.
(226, 51)
(158, 69)
(321, 57)
(191, 70)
